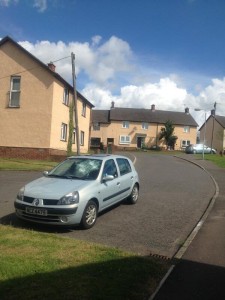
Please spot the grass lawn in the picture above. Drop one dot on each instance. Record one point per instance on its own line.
(45, 266)
(25, 165)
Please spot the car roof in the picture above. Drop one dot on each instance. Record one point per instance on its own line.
(102, 156)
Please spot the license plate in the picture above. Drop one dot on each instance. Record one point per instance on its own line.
(36, 211)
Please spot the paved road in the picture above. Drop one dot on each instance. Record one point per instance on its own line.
(173, 196)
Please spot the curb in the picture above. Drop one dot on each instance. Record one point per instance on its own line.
(178, 255)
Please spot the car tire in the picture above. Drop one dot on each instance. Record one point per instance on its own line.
(89, 215)
(133, 198)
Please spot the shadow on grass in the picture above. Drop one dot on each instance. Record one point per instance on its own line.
(126, 278)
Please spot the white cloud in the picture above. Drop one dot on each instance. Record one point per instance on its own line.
(109, 73)
(7, 3)
(41, 5)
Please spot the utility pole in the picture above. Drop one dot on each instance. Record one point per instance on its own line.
(75, 103)
(213, 115)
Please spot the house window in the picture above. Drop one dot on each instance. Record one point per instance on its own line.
(186, 129)
(14, 98)
(96, 126)
(95, 142)
(144, 125)
(185, 143)
(83, 110)
(66, 96)
(82, 138)
(125, 124)
(124, 139)
(63, 132)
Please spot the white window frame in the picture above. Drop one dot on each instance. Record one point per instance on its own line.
(66, 96)
(14, 92)
(125, 124)
(63, 132)
(124, 139)
(82, 138)
(186, 129)
(185, 143)
(96, 126)
(84, 107)
(144, 125)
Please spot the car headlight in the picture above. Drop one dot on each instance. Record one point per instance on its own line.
(20, 195)
(70, 198)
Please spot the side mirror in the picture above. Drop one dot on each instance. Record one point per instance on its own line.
(107, 178)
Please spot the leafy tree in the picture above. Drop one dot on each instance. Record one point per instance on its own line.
(167, 134)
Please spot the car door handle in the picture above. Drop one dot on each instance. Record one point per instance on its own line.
(118, 183)
(132, 177)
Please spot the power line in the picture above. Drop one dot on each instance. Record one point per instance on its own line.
(17, 73)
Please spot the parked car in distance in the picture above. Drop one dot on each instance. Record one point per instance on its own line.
(77, 189)
(198, 148)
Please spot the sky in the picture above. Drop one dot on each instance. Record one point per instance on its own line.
(170, 53)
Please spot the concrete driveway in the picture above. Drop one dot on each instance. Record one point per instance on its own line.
(173, 196)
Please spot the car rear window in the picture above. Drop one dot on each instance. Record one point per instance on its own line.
(124, 166)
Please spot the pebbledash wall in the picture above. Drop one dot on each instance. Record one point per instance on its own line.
(33, 129)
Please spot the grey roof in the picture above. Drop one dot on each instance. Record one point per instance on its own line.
(100, 116)
(145, 115)
(54, 74)
(220, 120)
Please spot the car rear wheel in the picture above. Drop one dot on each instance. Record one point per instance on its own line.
(133, 198)
(90, 215)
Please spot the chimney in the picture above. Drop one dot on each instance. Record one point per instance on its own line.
(186, 111)
(213, 112)
(51, 66)
(112, 104)
(153, 107)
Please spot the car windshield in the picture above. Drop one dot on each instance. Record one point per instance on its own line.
(77, 168)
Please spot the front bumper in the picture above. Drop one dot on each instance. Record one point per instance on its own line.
(47, 215)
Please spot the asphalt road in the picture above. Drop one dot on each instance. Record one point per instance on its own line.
(173, 196)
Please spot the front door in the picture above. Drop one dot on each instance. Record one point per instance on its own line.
(140, 141)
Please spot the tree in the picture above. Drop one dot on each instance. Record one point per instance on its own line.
(167, 134)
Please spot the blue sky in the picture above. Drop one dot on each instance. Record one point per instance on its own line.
(170, 53)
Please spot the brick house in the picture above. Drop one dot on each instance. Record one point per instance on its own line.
(130, 128)
(34, 106)
(214, 131)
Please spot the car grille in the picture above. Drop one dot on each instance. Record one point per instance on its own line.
(45, 201)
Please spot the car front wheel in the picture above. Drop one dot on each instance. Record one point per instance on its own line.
(90, 215)
(133, 198)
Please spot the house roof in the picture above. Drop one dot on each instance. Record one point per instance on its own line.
(144, 115)
(220, 120)
(44, 66)
(100, 116)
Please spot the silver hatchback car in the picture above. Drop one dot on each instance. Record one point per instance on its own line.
(77, 189)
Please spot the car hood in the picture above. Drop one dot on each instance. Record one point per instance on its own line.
(53, 188)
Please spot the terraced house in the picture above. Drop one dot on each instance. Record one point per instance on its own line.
(34, 106)
(131, 128)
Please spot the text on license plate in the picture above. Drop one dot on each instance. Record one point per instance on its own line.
(36, 211)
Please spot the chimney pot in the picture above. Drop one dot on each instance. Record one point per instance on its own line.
(112, 104)
(51, 66)
(153, 107)
(187, 111)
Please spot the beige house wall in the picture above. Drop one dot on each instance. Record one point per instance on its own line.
(214, 134)
(135, 130)
(29, 125)
(37, 122)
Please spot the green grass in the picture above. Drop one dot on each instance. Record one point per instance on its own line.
(25, 164)
(216, 159)
(45, 266)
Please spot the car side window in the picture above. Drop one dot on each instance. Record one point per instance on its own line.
(124, 166)
(110, 168)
